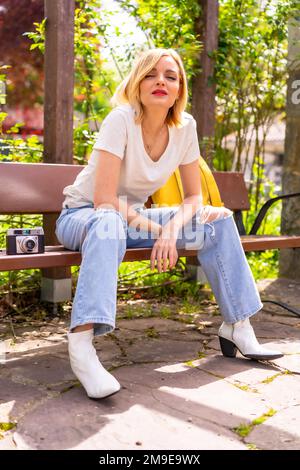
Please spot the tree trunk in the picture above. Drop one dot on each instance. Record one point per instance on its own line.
(290, 221)
(203, 87)
(58, 123)
(59, 81)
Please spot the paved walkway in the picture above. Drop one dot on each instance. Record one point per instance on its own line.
(178, 391)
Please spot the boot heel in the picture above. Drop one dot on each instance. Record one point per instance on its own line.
(228, 348)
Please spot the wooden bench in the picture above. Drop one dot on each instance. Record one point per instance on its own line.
(27, 188)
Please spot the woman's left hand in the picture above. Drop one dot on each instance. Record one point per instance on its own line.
(164, 250)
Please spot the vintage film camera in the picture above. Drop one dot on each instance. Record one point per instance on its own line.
(25, 241)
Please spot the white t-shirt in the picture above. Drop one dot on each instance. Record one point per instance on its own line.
(140, 176)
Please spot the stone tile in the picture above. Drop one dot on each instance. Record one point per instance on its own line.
(283, 318)
(280, 391)
(290, 362)
(201, 323)
(120, 422)
(7, 443)
(170, 398)
(287, 346)
(266, 330)
(44, 370)
(194, 393)
(231, 368)
(153, 331)
(17, 398)
(160, 324)
(166, 350)
(109, 352)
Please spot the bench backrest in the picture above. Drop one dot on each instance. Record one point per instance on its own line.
(36, 188)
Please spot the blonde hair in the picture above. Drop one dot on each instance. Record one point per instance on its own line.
(128, 91)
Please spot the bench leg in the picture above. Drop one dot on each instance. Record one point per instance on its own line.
(56, 285)
(195, 270)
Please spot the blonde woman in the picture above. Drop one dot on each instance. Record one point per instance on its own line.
(140, 144)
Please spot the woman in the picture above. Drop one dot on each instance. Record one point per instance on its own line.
(140, 144)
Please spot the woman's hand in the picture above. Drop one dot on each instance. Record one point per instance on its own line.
(164, 249)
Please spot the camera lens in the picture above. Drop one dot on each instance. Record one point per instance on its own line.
(30, 244)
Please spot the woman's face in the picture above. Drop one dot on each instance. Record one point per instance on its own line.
(161, 86)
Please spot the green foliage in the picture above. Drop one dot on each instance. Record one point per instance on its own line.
(169, 24)
(137, 280)
(26, 151)
(251, 61)
(3, 86)
(93, 85)
(251, 73)
(38, 36)
(264, 264)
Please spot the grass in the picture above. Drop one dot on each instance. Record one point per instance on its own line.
(243, 430)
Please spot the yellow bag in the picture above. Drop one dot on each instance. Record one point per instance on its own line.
(172, 192)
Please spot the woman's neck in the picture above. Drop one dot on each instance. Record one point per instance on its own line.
(154, 121)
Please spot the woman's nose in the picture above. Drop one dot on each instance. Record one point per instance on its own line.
(160, 79)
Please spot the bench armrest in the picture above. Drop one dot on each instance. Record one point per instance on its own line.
(263, 211)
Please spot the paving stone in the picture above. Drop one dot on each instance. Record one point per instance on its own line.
(120, 422)
(280, 391)
(163, 350)
(130, 336)
(252, 374)
(44, 369)
(279, 432)
(171, 397)
(282, 318)
(7, 443)
(290, 362)
(201, 323)
(16, 399)
(36, 346)
(289, 346)
(235, 368)
(265, 330)
(195, 393)
(108, 350)
(161, 324)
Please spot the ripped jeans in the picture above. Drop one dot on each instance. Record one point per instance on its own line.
(102, 237)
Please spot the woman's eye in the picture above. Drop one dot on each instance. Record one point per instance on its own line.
(171, 78)
(149, 76)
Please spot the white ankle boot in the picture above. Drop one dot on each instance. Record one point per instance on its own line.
(241, 336)
(96, 380)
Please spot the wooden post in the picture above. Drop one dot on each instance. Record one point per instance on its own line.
(58, 122)
(203, 96)
(289, 262)
(203, 87)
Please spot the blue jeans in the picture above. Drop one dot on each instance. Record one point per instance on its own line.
(102, 237)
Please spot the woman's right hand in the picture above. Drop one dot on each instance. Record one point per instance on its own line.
(164, 252)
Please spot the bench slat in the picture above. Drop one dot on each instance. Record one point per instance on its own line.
(269, 242)
(59, 256)
(36, 188)
(233, 190)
